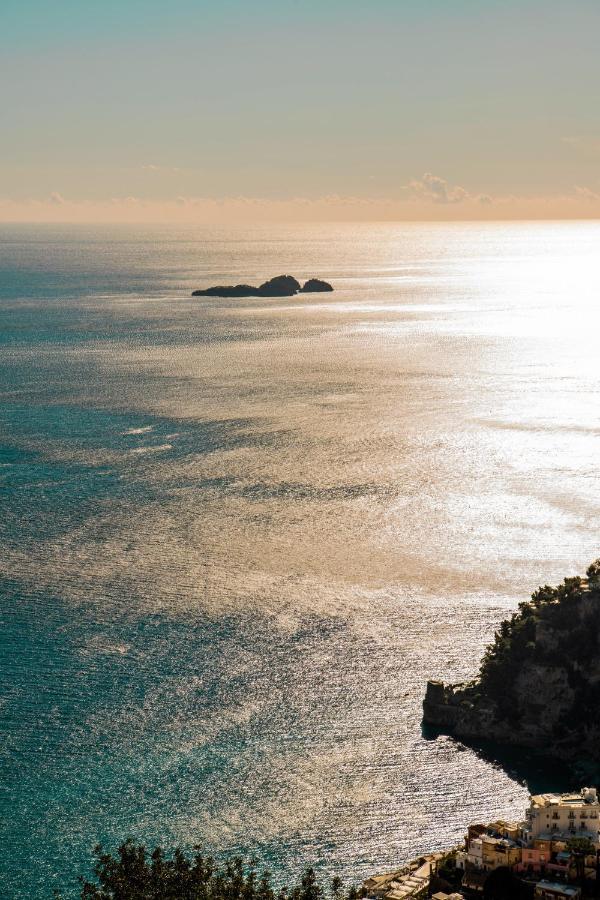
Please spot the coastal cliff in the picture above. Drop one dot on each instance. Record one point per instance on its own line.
(539, 682)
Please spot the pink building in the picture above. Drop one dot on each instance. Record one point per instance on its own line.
(532, 859)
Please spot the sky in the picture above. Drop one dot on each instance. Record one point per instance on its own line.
(188, 110)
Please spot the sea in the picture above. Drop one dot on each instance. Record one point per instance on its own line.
(239, 536)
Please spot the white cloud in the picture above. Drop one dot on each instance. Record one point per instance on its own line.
(151, 167)
(587, 193)
(125, 201)
(432, 187)
(428, 196)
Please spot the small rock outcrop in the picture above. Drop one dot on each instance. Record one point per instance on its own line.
(280, 286)
(539, 682)
(315, 286)
(228, 290)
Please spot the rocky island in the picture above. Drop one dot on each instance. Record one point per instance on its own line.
(539, 682)
(280, 286)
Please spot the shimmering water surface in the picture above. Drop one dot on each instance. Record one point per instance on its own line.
(238, 536)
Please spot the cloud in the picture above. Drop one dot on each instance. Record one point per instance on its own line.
(428, 197)
(432, 187)
(151, 167)
(587, 193)
(125, 201)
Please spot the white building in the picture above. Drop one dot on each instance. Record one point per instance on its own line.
(475, 852)
(563, 816)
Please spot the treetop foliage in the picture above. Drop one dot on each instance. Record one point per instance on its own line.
(515, 641)
(133, 873)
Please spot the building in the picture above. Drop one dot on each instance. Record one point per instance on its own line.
(411, 881)
(560, 817)
(510, 830)
(474, 880)
(536, 850)
(499, 852)
(378, 885)
(488, 850)
(551, 890)
(475, 853)
(533, 859)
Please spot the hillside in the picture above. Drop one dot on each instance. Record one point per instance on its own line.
(539, 682)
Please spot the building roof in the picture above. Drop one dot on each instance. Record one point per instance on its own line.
(406, 888)
(568, 835)
(583, 799)
(565, 889)
(473, 878)
(492, 839)
(502, 823)
(380, 879)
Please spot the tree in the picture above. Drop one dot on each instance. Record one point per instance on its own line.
(336, 888)
(134, 874)
(501, 884)
(264, 890)
(310, 888)
(593, 574)
(580, 847)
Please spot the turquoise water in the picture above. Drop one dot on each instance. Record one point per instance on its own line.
(238, 536)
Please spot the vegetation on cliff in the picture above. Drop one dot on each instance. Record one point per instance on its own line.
(135, 874)
(539, 682)
(525, 639)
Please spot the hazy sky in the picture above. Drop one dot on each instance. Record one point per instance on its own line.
(281, 108)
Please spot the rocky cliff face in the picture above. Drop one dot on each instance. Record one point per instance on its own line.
(539, 683)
